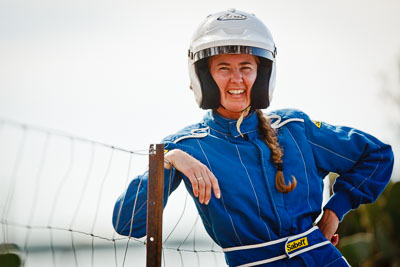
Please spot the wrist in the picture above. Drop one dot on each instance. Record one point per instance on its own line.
(167, 164)
(169, 159)
(331, 215)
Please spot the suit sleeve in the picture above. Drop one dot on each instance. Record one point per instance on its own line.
(130, 210)
(363, 162)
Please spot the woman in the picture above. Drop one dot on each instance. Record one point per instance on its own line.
(257, 180)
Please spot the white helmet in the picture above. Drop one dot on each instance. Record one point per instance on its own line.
(231, 32)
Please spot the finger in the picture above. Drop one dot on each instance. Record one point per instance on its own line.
(207, 188)
(201, 183)
(195, 184)
(215, 184)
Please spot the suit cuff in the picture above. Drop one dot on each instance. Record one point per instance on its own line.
(340, 203)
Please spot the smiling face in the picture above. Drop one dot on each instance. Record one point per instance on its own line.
(235, 76)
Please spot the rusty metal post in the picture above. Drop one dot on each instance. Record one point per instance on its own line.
(155, 196)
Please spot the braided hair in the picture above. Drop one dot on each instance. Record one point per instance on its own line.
(268, 134)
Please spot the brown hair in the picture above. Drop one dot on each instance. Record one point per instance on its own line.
(268, 134)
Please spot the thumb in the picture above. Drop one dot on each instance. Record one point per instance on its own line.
(335, 239)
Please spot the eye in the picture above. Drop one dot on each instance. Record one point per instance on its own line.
(224, 68)
(247, 68)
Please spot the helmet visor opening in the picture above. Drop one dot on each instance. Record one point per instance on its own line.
(233, 49)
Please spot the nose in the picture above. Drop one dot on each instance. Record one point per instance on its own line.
(236, 76)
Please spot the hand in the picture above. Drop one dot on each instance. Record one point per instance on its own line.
(202, 179)
(328, 225)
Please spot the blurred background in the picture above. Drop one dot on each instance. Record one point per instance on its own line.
(116, 72)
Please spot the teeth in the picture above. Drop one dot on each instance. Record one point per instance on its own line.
(235, 92)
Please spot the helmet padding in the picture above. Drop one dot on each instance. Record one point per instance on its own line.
(260, 92)
(209, 88)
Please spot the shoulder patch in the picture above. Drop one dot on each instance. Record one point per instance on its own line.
(278, 122)
(317, 123)
(194, 133)
(198, 130)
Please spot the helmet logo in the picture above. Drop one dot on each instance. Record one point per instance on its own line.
(232, 16)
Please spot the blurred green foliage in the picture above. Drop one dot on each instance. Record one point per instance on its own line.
(370, 235)
(9, 255)
(10, 260)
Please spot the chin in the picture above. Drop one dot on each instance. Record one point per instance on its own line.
(239, 108)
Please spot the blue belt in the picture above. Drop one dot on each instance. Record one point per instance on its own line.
(287, 247)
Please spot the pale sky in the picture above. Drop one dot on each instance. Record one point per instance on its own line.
(116, 71)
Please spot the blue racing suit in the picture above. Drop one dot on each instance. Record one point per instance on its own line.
(253, 222)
